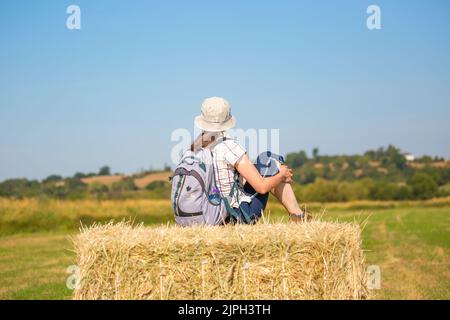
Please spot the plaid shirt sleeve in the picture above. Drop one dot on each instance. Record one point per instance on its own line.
(234, 152)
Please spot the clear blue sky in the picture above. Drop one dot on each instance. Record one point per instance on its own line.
(112, 92)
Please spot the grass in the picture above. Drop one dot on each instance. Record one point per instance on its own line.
(34, 266)
(33, 215)
(411, 247)
(409, 241)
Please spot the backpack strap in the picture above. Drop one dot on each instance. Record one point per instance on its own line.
(175, 203)
(237, 213)
(192, 159)
(226, 200)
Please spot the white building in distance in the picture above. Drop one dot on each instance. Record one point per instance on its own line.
(409, 156)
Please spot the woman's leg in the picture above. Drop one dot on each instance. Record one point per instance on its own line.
(285, 194)
(267, 166)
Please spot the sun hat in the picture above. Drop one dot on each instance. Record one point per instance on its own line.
(216, 115)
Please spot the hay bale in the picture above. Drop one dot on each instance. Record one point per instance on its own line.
(317, 260)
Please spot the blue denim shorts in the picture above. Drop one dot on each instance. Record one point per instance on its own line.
(267, 167)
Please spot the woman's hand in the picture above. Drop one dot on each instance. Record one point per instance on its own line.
(286, 173)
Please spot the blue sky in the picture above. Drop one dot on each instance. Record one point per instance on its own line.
(112, 92)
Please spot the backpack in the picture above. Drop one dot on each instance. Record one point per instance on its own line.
(195, 198)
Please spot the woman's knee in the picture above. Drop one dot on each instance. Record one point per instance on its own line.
(267, 163)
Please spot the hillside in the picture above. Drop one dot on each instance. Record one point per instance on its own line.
(143, 182)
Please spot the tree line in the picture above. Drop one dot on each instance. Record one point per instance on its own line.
(382, 174)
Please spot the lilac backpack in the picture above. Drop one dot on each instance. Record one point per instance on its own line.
(195, 198)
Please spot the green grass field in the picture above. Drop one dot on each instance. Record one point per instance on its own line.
(409, 241)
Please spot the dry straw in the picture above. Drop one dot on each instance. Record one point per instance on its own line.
(316, 260)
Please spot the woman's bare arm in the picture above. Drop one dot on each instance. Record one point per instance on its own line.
(261, 184)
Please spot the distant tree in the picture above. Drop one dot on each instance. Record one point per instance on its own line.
(425, 159)
(383, 190)
(156, 185)
(437, 174)
(75, 189)
(423, 186)
(308, 175)
(403, 193)
(315, 152)
(323, 191)
(371, 154)
(296, 160)
(52, 178)
(159, 189)
(54, 191)
(104, 171)
(379, 154)
(19, 188)
(445, 174)
(99, 191)
(79, 175)
(395, 157)
(126, 184)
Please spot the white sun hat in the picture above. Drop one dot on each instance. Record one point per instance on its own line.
(216, 115)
